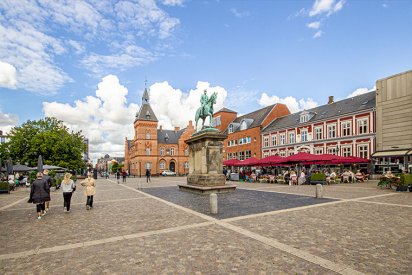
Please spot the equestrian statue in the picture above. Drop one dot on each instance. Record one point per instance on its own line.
(206, 110)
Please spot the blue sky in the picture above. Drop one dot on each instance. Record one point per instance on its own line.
(86, 62)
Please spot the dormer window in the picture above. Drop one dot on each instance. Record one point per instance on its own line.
(166, 137)
(304, 117)
(230, 128)
(147, 114)
(243, 125)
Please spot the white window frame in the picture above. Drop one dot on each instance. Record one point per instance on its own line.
(362, 124)
(186, 165)
(274, 140)
(282, 139)
(248, 154)
(304, 135)
(319, 133)
(230, 128)
(346, 126)
(162, 165)
(318, 151)
(172, 151)
(291, 137)
(346, 151)
(282, 153)
(148, 165)
(332, 150)
(147, 135)
(330, 127)
(162, 151)
(266, 141)
(304, 118)
(147, 151)
(216, 121)
(186, 151)
(365, 150)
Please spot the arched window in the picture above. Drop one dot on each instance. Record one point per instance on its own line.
(162, 165)
(147, 135)
(162, 151)
(230, 128)
(172, 151)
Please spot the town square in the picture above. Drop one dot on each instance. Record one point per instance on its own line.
(205, 137)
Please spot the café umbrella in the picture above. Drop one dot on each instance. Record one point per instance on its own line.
(40, 164)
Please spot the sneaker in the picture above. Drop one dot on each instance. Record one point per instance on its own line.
(87, 207)
(39, 217)
(68, 211)
(44, 213)
(65, 209)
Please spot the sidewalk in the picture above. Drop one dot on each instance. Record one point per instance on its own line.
(363, 229)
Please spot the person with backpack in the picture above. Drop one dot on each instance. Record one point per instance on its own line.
(68, 187)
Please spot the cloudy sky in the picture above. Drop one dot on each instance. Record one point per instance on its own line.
(86, 61)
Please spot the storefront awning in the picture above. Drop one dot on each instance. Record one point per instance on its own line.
(392, 153)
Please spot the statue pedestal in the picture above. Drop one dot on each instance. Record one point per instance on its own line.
(205, 163)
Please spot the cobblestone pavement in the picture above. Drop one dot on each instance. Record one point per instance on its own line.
(363, 230)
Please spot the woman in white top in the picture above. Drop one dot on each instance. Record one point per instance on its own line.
(68, 188)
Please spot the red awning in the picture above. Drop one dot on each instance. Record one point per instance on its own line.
(230, 162)
(300, 158)
(269, 161)
(246, 162)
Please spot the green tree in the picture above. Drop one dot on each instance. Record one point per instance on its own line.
(115, 167)
(48, 137)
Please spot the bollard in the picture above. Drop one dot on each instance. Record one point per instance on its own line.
(319, 190)
(213, 203)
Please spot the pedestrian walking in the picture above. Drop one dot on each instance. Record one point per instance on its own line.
(47, 179)
(148, 176)
(89, 190)
(39, 194)
(68, 187)
(124, 175)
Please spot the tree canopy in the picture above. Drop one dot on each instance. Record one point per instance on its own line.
(49, 138)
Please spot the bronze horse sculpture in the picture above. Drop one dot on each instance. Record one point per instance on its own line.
(207, 111)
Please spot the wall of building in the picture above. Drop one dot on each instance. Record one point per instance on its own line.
(225, 119)
(393, 112)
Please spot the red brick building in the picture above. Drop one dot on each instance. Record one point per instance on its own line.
(155, 148)
(344, 128)
(244, 132)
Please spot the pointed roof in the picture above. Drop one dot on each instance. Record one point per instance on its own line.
(146, 111)
(145, 97)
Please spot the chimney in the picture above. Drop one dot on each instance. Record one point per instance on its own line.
(177, 129)
(330, 101)
(160, 128)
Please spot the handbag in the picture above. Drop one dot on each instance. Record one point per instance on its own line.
(74, 188)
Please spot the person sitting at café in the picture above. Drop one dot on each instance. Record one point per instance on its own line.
(302, 178)
(359, 176)
(345, 176)
(389, 174)
(293, 178)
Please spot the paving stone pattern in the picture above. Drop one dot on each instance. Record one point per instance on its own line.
(129, 232)
(238, 203)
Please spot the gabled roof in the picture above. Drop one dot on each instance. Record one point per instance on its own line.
(339, 108)
(226, 110)
(144, 110)
(172, 136)
(257, 116)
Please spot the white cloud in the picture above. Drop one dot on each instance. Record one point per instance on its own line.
(239, 14)
(173, 2)
(106, 118)
(7, 75)
(128, 57)
(327, 7)
(34, 37)
(175, 108)
(360, 91)
(7, 121)
(293, 104)
(314, 25)
(318, 34)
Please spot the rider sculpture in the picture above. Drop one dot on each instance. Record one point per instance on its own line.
(206, 108)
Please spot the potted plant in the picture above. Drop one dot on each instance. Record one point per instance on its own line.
(404, 181)
(4, 187)
(317, 178)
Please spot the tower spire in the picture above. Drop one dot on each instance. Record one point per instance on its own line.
(145, 98)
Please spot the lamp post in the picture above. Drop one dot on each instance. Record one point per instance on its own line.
(140, 169)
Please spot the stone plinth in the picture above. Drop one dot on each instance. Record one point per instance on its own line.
(206, 163)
